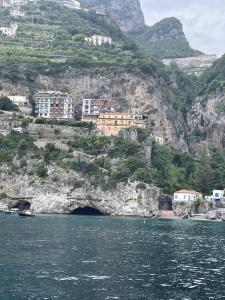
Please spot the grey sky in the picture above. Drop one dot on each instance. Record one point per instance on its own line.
(203, 20)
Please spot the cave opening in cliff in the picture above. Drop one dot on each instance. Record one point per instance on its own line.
(21, 205)
(87, 211)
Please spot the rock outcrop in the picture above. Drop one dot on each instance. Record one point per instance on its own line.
(60, 197)
(188, 209)
(135, 93)
(165, 39)
(207, 121)
(126, 13)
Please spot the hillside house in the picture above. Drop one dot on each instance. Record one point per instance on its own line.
(99, 40)
(187, 196)
(111, 123)
(22, 102)
(9, 31)
(159, 140)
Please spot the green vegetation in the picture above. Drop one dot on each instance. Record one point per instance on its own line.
(69, 123)
(108, 161)
(183, 88)
(213, 79)
(3, 196)
(160, 41)
(15, 144)
(7, 105)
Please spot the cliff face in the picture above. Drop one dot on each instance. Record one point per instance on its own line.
(207, 116)
(134, 93)
(126, 13)
(60, 197)
(207, 121)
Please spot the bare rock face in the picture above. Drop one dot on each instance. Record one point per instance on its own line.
(212, 215)
(126, 13)
(131, 199)
(207, 121)
(134, 93)
(187, 209)
(125, 200)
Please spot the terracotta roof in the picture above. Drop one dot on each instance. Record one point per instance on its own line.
(188, 192)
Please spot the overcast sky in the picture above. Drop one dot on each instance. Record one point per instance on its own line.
(203, 20)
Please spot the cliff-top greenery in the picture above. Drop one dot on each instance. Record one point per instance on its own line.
(213, 79)
(165, 39)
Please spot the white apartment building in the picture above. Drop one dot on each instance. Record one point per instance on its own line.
(55, 105)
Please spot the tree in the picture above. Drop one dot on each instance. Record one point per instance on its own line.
(7, 105)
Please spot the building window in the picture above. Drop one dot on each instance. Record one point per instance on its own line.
(184, 197)
(116, 123)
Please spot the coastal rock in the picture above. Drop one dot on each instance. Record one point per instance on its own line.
(212, 215)
(222, 218)
(125, 200)
(61, 198)
(188, 209)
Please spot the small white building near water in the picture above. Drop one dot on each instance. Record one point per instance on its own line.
(187, 196)
(217, 197)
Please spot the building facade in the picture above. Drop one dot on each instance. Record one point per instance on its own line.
(218, 197)
(22, 102)
(54, 105)
(92, 108)
(9, 31)
(99, 40)
(110, 123)
(187, 196)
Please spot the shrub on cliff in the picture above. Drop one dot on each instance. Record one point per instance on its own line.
(7, 105)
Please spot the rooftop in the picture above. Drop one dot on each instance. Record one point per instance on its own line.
(187, 192)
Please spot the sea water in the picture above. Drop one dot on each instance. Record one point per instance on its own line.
(85, 257)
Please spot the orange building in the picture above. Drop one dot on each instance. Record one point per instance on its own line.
(110, 123)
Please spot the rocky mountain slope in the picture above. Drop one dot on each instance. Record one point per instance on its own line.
(50, 52)
(207, 116)
(126, 13)
(166, 39)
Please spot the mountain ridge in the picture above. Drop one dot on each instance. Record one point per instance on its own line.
(165, 39)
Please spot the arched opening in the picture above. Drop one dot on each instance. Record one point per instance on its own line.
(21, 205)
(87, 211)
(165, 203)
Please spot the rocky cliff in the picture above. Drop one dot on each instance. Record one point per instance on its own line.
(49, 196)
(126, 13)
(135, 93)
(207, 121)
(206, 118)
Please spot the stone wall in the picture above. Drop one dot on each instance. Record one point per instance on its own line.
(53, 131)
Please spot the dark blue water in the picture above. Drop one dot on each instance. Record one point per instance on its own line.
(73, 257)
